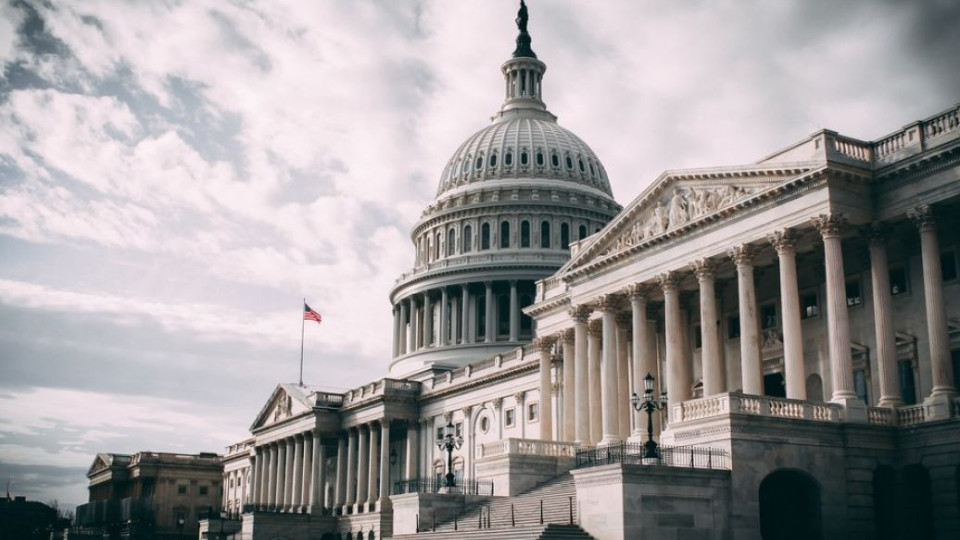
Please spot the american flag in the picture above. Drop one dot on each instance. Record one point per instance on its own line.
(310, 315)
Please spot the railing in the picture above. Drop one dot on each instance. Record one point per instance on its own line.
(468, 260)
(881, 416)
(692, 457)
(852, 148)
(329, 400)
(908, 416)
(461, 486)
(735, 402)
(529, 447)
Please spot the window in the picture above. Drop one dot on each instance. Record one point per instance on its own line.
(451, 241)
(898, 280)
(504, 234)
(508, 159)
(860, 385)
(697, 337)
(509, 417)
(436, 246)
(582, 233)
(570, 163)
(440, 433)
(524, 233)
(181, 490)
(524, 159)
(948, 266)
(204, 490)
(545, 234)
(467, 239)
(533, 412)
(564, 236)
(582, 169)
(733, 326)
(592, 172)
(540, 159)
(493, 160)
(555, 161)
(854, 295)
(484, 424)
(484, 236)
(908, 387)
(808, 306)
(458, 429)
(768, 316)
(479, 163)
(955, 358)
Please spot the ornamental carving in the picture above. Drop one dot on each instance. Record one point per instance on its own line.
(608, 302)
(704, 268)
(595, 328)
(624, 319)
(569, 336)
(876, 233)
(669, 281)
(784, 241)
(580, 314)
(830, 225)
(544, 343)
(922, 217)
(638, 293)
(742, 255)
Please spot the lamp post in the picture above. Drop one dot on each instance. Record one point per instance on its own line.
(180, 525)
(449, 443)
(649, 405)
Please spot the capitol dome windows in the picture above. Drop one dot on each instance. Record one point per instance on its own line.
(545, 234)
(540, 159)
(508, 159)
(451, 242)
(524, 234)
(467, 239)
(524, 158)
(493, 160)
(582, 169)
(484, 236)
(564, 236)
(569, 163)
(478, 164)
(555, 160)
(582, 233)
(504, 234)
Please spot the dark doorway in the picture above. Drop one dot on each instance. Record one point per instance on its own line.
(917, 520)
(790, 507)
(885, 505)
(773, 385)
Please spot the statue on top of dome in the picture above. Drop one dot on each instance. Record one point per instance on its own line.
(523, 40)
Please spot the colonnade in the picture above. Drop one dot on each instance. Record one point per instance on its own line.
(596, 393)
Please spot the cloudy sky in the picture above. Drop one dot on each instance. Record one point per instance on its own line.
(176, 176)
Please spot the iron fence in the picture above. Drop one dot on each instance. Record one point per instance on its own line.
(461, 486)
(693, 457)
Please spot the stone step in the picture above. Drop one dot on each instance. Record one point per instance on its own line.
(537, 532)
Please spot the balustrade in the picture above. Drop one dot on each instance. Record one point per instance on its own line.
(529, 447)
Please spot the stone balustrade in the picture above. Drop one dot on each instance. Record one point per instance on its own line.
(908, 416)
(881, 416)
(513, 255)
(527, 447)
(738, 403)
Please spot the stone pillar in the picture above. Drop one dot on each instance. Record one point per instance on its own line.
(259, 494)
(373, 471)
(491, 324)
(454, 311)
(280, 496)
(890, 395)
(412, 329)
(306, 473)
(838, 324)
(623, 375)
(428, 322)
(465, 315)
(750, 368)
(340, 495)
(445, 319)
(678, 372)
(396, 332)
(384, 465)
(939, 403)
(413, 435)
(363, 451)
(273, 478)
(796, 381)
(296, 478)
(713, 373)
(288, 473)
(607, 305)
(643, 362)
(580, 314)
(569, 386)
(545, 346)
(351, 468)
(514, 312)
(595, 334)
(402, 334)
(315, 494)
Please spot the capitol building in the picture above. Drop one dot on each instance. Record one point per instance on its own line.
(787, 330)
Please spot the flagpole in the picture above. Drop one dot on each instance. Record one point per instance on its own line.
(302, 319)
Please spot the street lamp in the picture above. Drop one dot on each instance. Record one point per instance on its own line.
(448, 442)
(648, 404)
(180, 525)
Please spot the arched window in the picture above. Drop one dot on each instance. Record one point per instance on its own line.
(540, 159)
(430, 248)
(564, 236)
(582, 233)
(467, 239)
(493, 160)
(504, 234)
(437, 247)
(545, 234)
(570, 163)
(508, 159)
(524, 233)
(524, 159)
(484, 236)
(555, 160)
(592, 172)
(581, 165)
(466, 165)
(478, 164)
(451, 241)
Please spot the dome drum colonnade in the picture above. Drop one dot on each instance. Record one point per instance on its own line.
(598, 346)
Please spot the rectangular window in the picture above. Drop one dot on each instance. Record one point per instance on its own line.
(948, 265)
(458, 429)
(768, 316)
(509, 417)
(809, 306)
(898, 280)
(533, 412)
(439, 433)
(854, 294)
(908, 388)
(697, 337)
(861, 386)
(733, 326)
(204, 490)
(181, 490)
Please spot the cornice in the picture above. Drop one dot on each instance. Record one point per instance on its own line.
(561, 301)
(487, 380)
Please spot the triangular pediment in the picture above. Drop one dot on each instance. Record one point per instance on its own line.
(286, 401)
(678, 201)
(104, 461)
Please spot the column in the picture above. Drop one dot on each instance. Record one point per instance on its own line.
(678, 373)
(491, 334)
(412, 328)
(260, 495)
(569, 386)
(938, 403)
(255, 465)
(384, 464)
(270, 498)
(428, 322)
(373, 470)
(402, 334)
(545, 346)
(288, 474)
(351, 479)
(296, 486)
(445, 319)
(742, 256)
(594, 335)
(316, 483)
(623, 375)
(713, 379)
(838, 325)
(306, 473)
(607, 304)
(454, 320)
(413, 435)
(883, 318)
(514, 312)
(340, 494)
(279, 498)
(643, 362)
(396, 332)
(796, 381)
(465, 315)
(580, 314)
(362, 470)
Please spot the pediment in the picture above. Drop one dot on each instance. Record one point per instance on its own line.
(285, 402)
(100, 463)
(677, 201)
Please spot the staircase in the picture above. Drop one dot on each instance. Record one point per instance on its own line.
(550, 531)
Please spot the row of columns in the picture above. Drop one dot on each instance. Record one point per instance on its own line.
(289, 475)
(413, 324)
(599, 346)
(363, 469)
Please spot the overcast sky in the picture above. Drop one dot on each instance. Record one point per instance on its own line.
(176, 176)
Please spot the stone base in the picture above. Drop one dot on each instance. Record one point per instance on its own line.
(938, 407)
(854, 410)
(515, 473)
(415, 512)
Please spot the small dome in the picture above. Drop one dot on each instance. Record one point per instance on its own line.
(524, 146)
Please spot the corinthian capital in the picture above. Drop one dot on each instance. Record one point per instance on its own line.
(595, 328)
(784, 240)
(568, 336)
(876, 233)
(742, 255)
(609, 302)
(669, 281)
(580, 313)
(830, 225)
(704, 268)
(544, 343)
(922, 217)
(638, 292)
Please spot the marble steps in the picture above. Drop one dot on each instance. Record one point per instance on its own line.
(550, 531)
